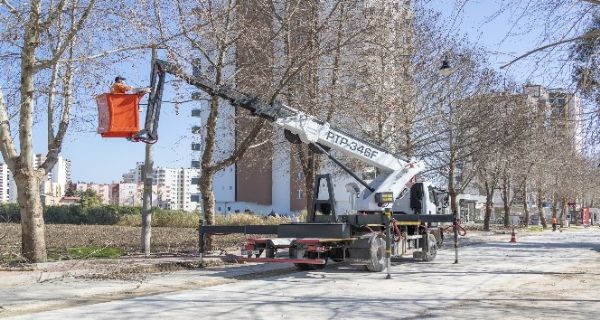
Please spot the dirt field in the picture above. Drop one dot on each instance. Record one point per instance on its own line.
(60, 237)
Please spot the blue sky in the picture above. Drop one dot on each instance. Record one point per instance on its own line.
(96, 159)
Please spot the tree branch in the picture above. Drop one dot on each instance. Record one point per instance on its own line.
(54, 15)
(594, 2)
(55, 144)
(246, 143)
(7, 146)
(68, 40)
(588, 35)
(11, 8)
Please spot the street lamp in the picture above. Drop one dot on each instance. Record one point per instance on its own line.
(445, 69)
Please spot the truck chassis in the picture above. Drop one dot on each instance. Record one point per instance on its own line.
(360, 239)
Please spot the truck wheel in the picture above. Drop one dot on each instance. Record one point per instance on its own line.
(377, 261)
(314, 255)
(298, 253)
(431, 252)
(336, 254)
(270, 252)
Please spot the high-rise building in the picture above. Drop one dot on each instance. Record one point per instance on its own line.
(5, 183)
(562, 111)
(565, 116)
(270, 177)
(56, 181)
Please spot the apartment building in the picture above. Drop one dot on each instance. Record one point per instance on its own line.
(51, 189)
(55, 184)
(173, 188)
(6, 183)
(103, 190)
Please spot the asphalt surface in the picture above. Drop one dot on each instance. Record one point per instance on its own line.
(549, 275)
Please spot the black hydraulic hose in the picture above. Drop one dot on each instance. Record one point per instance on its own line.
(361, 181)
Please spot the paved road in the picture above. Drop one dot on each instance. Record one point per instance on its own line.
(545, 276)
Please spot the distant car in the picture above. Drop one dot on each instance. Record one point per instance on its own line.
(535, 220)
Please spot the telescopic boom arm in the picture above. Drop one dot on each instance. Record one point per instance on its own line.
(396, 173)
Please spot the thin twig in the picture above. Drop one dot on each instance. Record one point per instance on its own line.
(588, 35)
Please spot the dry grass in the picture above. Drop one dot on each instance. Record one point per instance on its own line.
(61, 237)
(240, 219)
(191, 220)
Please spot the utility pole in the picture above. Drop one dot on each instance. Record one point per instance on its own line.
(147, 198)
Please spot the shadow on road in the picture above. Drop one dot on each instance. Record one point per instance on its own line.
(537, 245)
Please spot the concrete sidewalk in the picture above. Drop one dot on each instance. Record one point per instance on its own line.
(60, 285)
(56, 285)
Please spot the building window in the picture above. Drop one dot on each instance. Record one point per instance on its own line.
(195, 146)
(195, 198)
(195, 181)
(300, 194)
(195, 164)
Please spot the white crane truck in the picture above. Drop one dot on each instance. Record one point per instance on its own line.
(395, 214)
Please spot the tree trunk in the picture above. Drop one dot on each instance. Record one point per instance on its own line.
(525, 206)
(33, 244)
(540, 209)
(506, 214)
(526, 212)
(505, 202)
(562, 212)
(489, 198)
(554, 204)
(208, 206)
(488, 213)
(309, 184)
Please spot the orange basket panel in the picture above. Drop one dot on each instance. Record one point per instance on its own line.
(118, 115)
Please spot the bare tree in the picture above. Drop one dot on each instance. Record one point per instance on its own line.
(50, 51)
(46, 36)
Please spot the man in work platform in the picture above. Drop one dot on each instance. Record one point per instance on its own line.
(120, 87)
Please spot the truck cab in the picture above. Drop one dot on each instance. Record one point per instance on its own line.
(421, 198)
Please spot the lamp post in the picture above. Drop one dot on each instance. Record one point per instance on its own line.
(446, 70)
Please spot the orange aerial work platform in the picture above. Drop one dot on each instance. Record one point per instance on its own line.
(118, 115)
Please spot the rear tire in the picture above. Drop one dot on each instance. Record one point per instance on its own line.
(270, 252)
(298, 253)
(377, 261)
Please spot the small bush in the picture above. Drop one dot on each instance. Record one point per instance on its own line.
(163, 218)
(64, 215)
(104, 215)
(9, 212)
(86, 252)
(176, 219)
